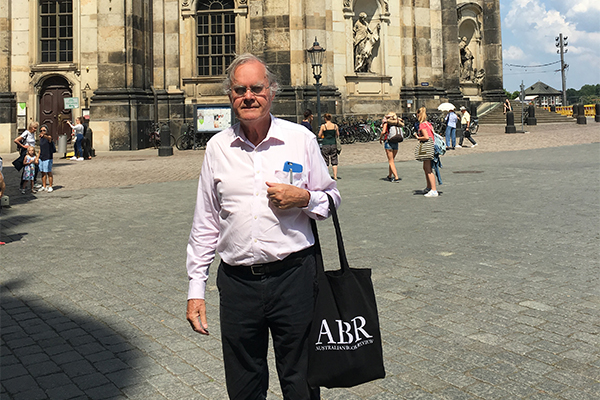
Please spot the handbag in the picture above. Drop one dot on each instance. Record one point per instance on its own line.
(345, 347)
(18, 163)
(424, 150)
(395, 134)
(338, 144)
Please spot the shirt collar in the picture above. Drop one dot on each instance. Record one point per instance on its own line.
(275, 134)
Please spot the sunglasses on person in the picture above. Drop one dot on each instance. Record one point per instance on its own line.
(254, 89)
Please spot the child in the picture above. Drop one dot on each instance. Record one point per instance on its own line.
(29, 168)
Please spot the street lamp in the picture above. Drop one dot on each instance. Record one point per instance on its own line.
(316, 54)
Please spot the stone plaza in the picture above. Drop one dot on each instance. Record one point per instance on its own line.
(489, 291)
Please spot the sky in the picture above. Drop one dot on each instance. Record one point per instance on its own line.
(529, 29)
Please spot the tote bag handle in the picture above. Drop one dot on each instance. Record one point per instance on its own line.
(338, 234)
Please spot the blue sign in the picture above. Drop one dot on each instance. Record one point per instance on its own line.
(424, 83)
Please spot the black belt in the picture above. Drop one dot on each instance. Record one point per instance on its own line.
(268, 268)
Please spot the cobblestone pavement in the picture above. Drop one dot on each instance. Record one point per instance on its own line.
(489, 291)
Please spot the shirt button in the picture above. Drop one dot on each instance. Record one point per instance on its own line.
(255, 240)
(255, 217)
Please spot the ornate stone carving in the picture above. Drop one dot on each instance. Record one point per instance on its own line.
(364, 41)
(185, 3)
(479, 77)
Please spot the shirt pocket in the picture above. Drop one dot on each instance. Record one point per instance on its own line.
(298, 178)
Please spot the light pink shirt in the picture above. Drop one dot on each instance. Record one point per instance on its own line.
(233, 215)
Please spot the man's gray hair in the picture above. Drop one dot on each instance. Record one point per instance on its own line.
(243, 59)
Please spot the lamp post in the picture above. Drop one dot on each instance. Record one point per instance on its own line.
(316, 54)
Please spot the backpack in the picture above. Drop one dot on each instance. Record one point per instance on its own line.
(439, 144)
(394, 134)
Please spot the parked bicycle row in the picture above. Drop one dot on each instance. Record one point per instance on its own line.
(352, 130)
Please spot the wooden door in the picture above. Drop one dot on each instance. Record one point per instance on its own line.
(52, 111)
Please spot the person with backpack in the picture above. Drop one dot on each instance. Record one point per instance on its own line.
(391, 135)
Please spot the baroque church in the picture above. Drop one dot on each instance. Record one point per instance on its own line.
(125, 64)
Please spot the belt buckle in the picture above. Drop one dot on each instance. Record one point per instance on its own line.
(257, 271)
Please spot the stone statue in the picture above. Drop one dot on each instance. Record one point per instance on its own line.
(364, 41)
(466, 61)
(479, 77)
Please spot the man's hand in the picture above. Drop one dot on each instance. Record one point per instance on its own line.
(284, 196)
(196, 308)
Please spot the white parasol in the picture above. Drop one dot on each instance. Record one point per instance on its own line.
(446, 107)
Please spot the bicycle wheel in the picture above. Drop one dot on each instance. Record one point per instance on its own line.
(475, 129)
(184, 142)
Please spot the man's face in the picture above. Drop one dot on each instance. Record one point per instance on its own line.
(254, 104)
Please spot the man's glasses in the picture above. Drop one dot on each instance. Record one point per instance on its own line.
(254, 89)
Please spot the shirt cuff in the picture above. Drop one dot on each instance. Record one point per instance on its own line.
(318, 204)
(196, 289)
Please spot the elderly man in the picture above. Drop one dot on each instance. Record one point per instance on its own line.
(465, 121)
(256, 212)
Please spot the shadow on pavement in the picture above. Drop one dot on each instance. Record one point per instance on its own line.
(47, 354)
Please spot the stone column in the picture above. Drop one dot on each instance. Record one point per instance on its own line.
(451, 51)
(123, 96)
(7, 97)
(492, 45)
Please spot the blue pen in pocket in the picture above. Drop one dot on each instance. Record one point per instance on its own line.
(292, 168)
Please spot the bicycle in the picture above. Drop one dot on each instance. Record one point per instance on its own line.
(153, 132)
(192, 139)
(474, 126)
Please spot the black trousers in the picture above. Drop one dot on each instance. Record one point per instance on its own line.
(466, 134)
(250, 306)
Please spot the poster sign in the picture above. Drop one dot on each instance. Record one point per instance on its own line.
(71, 103)
(213, 118)
(21, 109)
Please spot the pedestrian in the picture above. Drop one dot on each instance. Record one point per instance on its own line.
(78, 130)
(47, 150)
(31, 158)
(248, 211)
(328, 133)
(2, 184)
(465, 122)
(424, 134)
(307, 121)
(86, 143)
(507, 106)
(391, 122)
(451, 120)
(2, 188)
(26, 139)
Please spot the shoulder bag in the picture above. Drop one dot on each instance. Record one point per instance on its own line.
(425, 150)
(345, 347)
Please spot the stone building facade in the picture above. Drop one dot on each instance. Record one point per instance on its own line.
(132, 62)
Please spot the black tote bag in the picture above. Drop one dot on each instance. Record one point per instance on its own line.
(344, 342)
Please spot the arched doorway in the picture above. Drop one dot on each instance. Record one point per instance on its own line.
(52, 111)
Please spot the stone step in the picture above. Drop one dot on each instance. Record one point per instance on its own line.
(496, 116)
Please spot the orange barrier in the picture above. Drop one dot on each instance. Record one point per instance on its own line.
(590, 110)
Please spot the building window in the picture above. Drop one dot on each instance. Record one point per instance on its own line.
(215, 36)
(56, 30)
